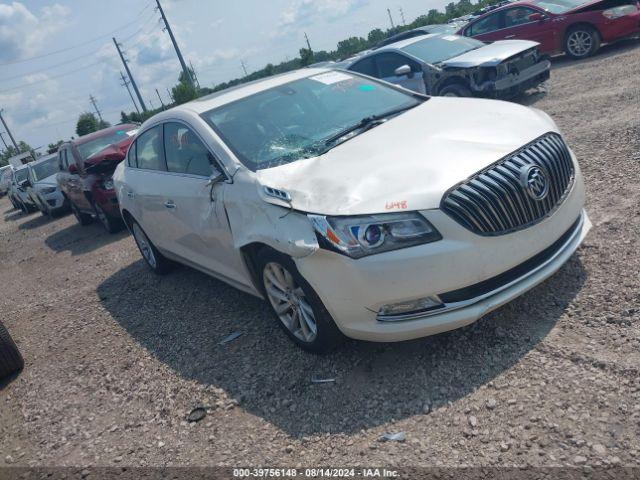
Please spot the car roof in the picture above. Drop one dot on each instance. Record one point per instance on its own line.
(102, 133)
(217, 99)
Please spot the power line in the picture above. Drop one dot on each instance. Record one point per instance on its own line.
(133, 82)
(125, 83)
(51, 78)
(84, 43)
(6, 128)
(34, 72)
(244, 67)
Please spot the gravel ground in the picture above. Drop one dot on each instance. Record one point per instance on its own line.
(116, 357)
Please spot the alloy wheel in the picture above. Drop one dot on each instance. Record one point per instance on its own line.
(579, 43)
(144, 245)
(289, 302)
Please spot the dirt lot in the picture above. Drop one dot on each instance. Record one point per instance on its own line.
(116, 357)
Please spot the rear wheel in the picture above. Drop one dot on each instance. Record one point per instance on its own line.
(455, 90)
(156, 261)
(10, 359)
(581, 41)
(110, 224)
(295, 304)
(84, 219)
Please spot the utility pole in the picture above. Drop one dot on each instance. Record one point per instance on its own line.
(308, 43)
(5, 143)
(133, 82)
(151, 103)
(170, 95)
(175, 45)
(244, 67)
(125, 83)
(93, 101)
(160, 98)
(390, 18)
(404, 22)
(193, 72)
(6, 128)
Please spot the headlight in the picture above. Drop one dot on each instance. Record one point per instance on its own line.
(363, 235)
(47, 190)
(107, 184)
(620, 11)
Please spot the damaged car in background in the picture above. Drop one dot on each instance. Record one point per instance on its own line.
(86, 165)
(455, 66)
(353, 207)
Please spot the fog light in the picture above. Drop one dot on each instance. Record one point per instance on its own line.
(411, 306)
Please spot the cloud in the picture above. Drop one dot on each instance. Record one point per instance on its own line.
(153, 48)
(22, 33)
(304, 12)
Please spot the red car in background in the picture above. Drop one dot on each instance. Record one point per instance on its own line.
(571, 26)
(86, 166)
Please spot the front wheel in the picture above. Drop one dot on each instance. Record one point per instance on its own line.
(84, 219)
(295, 304)
(455, 90)
(581, 42)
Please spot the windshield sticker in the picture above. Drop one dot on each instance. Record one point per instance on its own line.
(330, 78)
(451, 38)
(367, 88)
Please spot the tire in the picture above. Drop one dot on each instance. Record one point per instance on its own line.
(10, 359)
(301, 298)
(110, 224)
(13, 202)
(581, 41)
(84, 219)
(153, 258)
(455, 90)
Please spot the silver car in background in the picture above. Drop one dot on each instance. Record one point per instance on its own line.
(453, 66)
(42, 186)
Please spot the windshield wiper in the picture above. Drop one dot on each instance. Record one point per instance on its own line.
(366, 124)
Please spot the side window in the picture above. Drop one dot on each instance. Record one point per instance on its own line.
(365, 66)
(149, 150)
(517, 16)
(61, 165)
(185, 152)
(132, 161)
(484, 25)
(388, 62)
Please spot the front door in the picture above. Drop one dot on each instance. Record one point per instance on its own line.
(518, 25)
(388, 62)
(196, 225)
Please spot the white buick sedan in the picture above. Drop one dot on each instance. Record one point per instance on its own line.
(354, 207)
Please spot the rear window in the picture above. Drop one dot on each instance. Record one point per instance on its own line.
(21, 174)
(44, 169)
(438, 48)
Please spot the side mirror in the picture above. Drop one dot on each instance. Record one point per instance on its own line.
(24, 183)
(537, 17)
(404, 70)
(216, 177)
(73, 169)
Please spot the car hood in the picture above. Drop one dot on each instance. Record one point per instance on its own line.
(490, 55)
(408, 162)
(49, 181)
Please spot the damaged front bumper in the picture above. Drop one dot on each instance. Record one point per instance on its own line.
(515, 82)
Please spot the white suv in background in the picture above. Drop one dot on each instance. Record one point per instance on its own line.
(355, 207)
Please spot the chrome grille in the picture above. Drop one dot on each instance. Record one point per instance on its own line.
(495, 201)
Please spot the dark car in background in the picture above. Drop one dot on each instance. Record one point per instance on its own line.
(574, 27)
(455, 66)
(419, 32)
(86, 166)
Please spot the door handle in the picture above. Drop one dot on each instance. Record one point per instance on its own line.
(170, 204)
(131, 195)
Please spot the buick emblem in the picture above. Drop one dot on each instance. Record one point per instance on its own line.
(534, 181)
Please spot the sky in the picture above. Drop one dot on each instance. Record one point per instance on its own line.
(55, 54)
